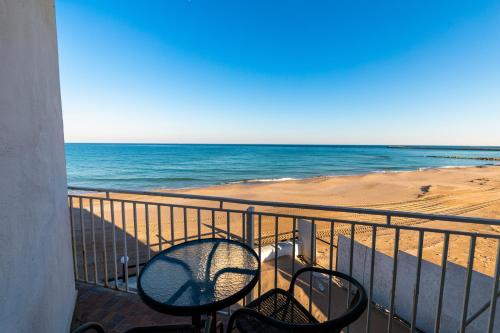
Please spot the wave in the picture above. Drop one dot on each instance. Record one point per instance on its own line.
(465, 148)
(263, 180)
(381, 171)
(451, 167)
(425, 168)
(148, 179)
(479, 158)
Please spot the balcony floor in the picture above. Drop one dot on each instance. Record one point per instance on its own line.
(119, 311)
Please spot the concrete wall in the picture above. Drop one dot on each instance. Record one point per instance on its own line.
(480, 292)
(37, 290)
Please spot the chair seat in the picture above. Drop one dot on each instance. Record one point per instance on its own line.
(277, 304)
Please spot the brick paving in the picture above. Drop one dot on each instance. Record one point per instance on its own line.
(117, 311)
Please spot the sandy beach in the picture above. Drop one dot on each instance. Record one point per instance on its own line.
(470, 191)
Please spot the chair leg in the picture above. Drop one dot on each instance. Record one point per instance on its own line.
(220, 326)
(207, 324)
(212, 326)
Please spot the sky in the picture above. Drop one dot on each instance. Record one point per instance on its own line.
(289, 72)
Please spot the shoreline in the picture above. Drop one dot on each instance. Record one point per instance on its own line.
(451, 190)
(185, 167)
(250, 182)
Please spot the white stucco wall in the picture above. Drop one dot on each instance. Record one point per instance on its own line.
(430, 274)
(37, 289)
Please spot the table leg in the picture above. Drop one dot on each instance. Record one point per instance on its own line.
(213, 329)
(196, 321)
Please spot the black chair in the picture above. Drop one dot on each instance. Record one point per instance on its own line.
(278, 311)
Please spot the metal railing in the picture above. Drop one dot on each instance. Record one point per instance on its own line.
(112, 225)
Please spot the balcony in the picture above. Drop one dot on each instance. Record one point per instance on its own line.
(427, 273)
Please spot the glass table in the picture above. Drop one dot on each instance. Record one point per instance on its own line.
(199, 277)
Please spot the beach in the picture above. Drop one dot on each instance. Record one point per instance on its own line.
(461, 191)
(466, 191)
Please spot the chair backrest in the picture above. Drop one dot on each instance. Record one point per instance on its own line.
(257, 322)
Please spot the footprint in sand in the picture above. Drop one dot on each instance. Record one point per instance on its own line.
(480, 181)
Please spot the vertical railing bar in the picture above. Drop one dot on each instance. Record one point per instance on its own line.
(351, 256)
(198, 219)
(228, 222)
(243, 227)
(444, 260)
(260, 252)
(250, 241)
(73, 238)
(293, 244)
(125, 254)
(136, 241)
(470, 264)
(148, 241)
(276, 252)
(372, 271)
(313, 258)
(394, 277)
(351, 259)
(84, 247)
(185, 225)
(243, 240)
(494, 291)
(229, 228)
(417, 281)
(172, 224)
(330, 267)
(213, 223)
(101, 203)
(158, 217)
(337, 254)
(92, 229)
(112, 206)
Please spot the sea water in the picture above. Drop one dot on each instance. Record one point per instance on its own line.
(172, 166)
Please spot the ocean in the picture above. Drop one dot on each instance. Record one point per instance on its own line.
(173, 166)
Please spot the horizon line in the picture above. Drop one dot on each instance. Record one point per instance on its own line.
(283, 144)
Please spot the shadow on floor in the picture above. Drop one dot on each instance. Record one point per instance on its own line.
(118, 311)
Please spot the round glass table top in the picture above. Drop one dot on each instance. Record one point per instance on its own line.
(200, 275)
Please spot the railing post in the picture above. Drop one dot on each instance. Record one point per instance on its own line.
(307, 238)
(249, 232)
(249, 240)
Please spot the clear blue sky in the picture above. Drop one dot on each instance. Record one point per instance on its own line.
(323, 72)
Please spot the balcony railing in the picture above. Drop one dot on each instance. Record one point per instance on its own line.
(114, 232)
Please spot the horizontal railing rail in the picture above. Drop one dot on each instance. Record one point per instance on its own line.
(116, 231)
(342, 209)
